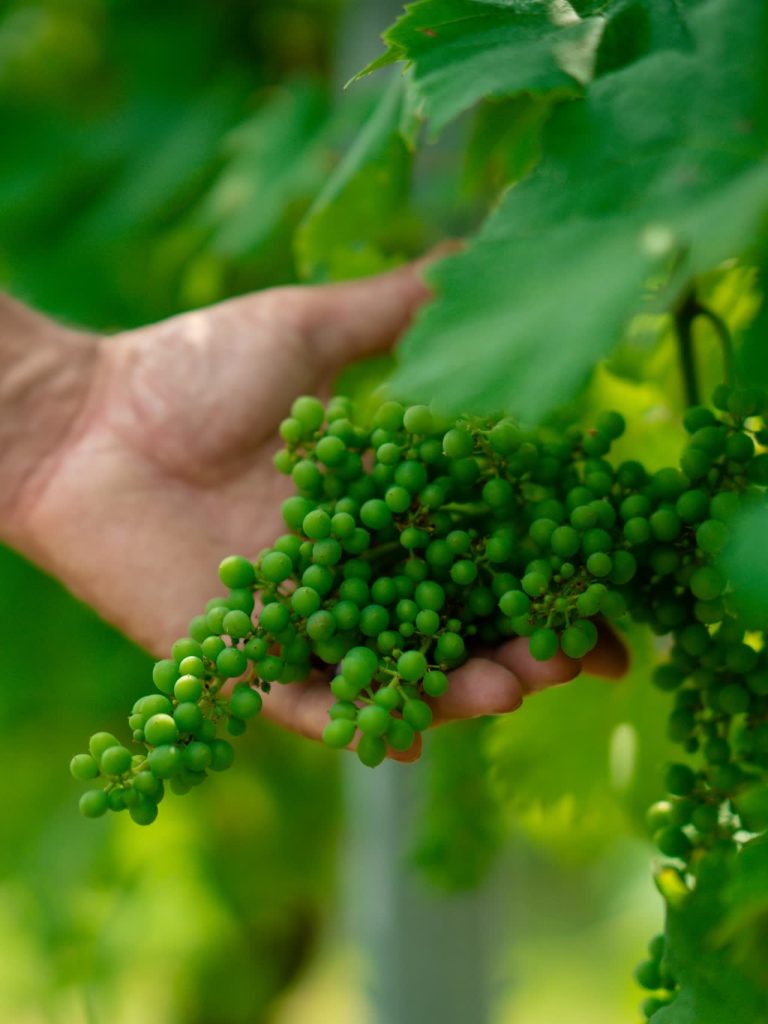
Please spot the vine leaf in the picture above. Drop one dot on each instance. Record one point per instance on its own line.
(660, 169)
(462, 51)
(715, 987)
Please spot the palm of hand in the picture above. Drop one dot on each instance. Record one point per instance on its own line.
(168, 469)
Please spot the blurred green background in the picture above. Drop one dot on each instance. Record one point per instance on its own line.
(161, 156)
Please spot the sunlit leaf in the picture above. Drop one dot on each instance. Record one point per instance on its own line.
(662, 163)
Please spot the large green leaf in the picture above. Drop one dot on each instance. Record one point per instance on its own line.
(462, 51)
(745, 559)
(662, 165)
(714, 987)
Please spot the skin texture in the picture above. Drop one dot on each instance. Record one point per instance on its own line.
(132, 465)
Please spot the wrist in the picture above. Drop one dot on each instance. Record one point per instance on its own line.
(46, 377)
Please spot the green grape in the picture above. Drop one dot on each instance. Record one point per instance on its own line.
(236, 625)
(309, 412)
(387, 697)
(316, 524)
(115, 761)
(673, 842)
(611, 423)
(384, 590)
(373, 720)
(319, 578)
(330, 451)
(100, 742)
(236, 572)
(599, 564)
(648, 975)
(371, 750)
(389, 416)
(305, 601)
(94, 803)
(411, 665)
(418, 419)
(637, 530)
(565, 541)
(339, 733)
(222, 755)
(321, 626)
(734, 699)
(166, 760)
(269, 668)
(680, 779)
(276, 566)
(429, 595)
(695, 463)
(197, 756)
(505, 437)
(707, 583)
(458, 443)
(231, 663)
(427, 622)
(152, 704)
(344, 689)
(534, 584)
(435, 683)
(188, 717)
(543, 644)
(294, 510)
(449, 649)
(255, 649)
(575, 643)
(400, 735)
(596, 540)
(374, 619)
(411, 476)
(161, 730)
(164, 675)
(192, 666)
(417, 714)
(84, 767)
(185, 648)
(692, 506)
(346, 615)
(343, 709)
(144, 812)
(359, 667)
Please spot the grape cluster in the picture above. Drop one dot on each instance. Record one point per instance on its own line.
(410, 538)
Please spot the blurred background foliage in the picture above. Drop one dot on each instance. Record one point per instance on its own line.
(159, 157)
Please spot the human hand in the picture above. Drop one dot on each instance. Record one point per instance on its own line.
(163, 466)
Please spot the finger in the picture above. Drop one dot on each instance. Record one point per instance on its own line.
(348, 321)
(610, 658)
(535, 675)
(479, 687)
(303, 708)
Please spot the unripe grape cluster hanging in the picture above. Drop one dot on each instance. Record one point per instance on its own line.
(410, 539)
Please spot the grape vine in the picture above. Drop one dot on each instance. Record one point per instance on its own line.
(412, 538)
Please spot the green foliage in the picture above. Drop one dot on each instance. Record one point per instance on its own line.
(658, 172)
(714, 985)
(164, 160)
(361, 223)
(462, 51)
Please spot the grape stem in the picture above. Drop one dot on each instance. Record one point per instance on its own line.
(686, 313)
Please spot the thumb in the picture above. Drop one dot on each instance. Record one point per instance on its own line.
(340, 323)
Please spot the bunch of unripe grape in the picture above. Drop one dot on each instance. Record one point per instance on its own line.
(412, 538)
